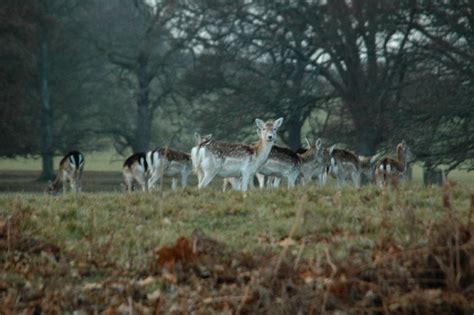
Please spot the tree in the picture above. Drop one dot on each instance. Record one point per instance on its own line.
(18, 31)
(144, 41)
(364, 53)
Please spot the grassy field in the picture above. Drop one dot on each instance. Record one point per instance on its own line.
(307, 250)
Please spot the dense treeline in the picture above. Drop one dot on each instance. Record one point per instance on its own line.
(137, 74)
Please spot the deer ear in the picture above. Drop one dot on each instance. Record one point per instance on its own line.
(260, 123)
(197, 136)
(208, 137)
(308, 143)
(278, 122)
(318, 143)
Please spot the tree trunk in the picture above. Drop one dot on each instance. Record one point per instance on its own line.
(144, 117)
(294, 134)
(367, 135)
(47, 151)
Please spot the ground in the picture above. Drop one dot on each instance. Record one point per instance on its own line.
(306, 250)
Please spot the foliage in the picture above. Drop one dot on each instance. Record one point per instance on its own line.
(354, 251)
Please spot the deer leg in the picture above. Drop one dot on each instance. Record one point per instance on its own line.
(356, 178)
(174, 183)
(207, 178)
(276, 182)
(245, 181)
(261, 180)
(184, 178)
(155, 177)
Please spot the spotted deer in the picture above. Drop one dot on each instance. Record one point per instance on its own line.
(164, 162)
(391, 169)
(200, 140)
(71, 167)
(281, 162)
(135, 169)
(314, 162)
(344, 164)
(237, 160)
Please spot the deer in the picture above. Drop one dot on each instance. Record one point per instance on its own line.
(71, 167)
(394, 168)
(224, 159)
(314, 162)
(164, 162)
(368, 165)
(135, 169)
(281, 162)
(344, 164)
(200, 140)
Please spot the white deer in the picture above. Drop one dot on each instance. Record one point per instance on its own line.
(164, 162)
(223, 159)
(388, 168)
(135, 169)
(314, 162)
(71, 167)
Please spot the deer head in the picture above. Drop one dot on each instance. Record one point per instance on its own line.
(267, 131)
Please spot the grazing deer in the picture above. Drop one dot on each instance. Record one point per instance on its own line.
(281, 162)
(237, 160)
(368, 165)
(135, 169)
(200, 140)
(344, 164)
(169, 163)
(314, 162)
(70, 170)
(388, 168)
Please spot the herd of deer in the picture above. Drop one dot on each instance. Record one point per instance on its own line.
(239, 163)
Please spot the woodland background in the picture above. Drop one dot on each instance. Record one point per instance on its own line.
(131, 75)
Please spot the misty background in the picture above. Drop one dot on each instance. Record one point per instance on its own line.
(132, 75)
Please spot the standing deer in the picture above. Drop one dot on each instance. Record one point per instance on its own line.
(344, 164)
(388, 168)
(237, 160)
(135, 169)
(314, 162)
(281, 162)
(169, 163)
(71, 167)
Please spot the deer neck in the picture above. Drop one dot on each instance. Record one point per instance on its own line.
(262, 151)
(401, 157)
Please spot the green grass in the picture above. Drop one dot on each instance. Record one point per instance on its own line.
(339, 239)
(95, 161)
(120, 225)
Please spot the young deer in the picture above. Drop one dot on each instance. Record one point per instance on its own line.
(200, 140)
(344, 163)
(234, 159)
(281, 162)
(135, 169)
(70, 170)
(314, 162)
(169, 163)
(388, 168)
